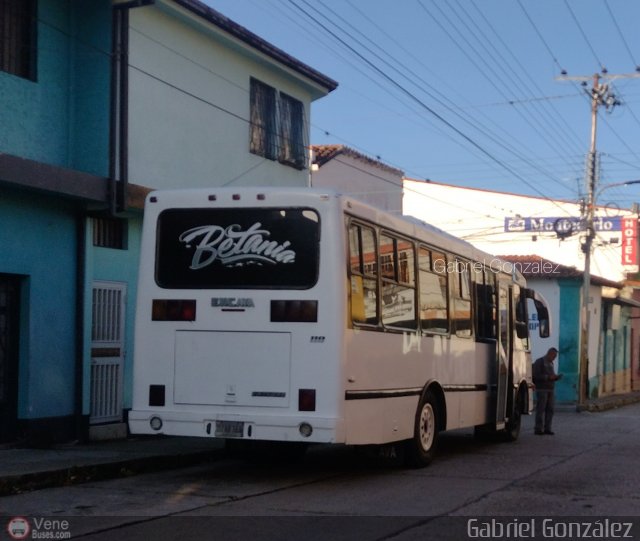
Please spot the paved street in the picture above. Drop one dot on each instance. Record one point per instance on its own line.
(588, 469)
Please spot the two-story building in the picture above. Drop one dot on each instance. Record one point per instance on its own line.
(102, 101)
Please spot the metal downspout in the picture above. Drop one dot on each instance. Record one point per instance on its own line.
(80, 428)
(119, 114)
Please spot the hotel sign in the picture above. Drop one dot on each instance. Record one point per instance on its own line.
(630, 241)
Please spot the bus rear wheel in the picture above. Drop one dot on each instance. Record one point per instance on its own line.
(420, 450)
(512, 429)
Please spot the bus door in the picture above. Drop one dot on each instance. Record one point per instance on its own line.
(503, 343)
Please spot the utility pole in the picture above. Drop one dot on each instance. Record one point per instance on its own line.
(601, 95)
(589, 211)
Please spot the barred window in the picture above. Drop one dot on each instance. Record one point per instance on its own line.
(292, 132)
(18, 37)
(263, 120)
(276, 125)
(110, 233)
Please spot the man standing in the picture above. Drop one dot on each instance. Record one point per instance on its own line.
(544, 378)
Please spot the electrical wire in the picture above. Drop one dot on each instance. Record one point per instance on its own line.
(624, 41)
(420, 102)
(439, 98)
(603, 69)
(496, 62)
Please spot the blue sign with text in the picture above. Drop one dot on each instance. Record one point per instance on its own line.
(558, 224)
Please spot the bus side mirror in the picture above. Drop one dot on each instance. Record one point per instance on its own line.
(543, 319)
(544, 328)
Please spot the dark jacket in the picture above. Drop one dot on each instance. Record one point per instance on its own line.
(542, 372)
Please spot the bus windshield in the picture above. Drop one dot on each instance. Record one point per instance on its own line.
(240, 248)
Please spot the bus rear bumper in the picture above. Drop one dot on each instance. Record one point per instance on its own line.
(296, 428)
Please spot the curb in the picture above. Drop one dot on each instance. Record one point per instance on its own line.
(605, 404)
(17, 484)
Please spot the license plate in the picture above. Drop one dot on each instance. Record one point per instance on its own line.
(229, 429)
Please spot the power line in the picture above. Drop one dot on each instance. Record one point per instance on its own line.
(624, 41)
(554, 113)
(412, 96)
(586, 38)
(541, 37)
(440, 99)
(496, 62)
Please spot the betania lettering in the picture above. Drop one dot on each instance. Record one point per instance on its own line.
(234, 247)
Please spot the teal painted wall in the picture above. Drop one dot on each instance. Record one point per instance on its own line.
(114, 266)
(38, 242)
(62, 118)
(569, 340)
(91, 76)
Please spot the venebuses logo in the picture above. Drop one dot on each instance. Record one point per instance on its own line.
(39, 528)
(18, 528)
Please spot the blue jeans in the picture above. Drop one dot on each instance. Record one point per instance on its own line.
(545, 404)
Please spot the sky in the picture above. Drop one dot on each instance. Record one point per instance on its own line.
(477, 93)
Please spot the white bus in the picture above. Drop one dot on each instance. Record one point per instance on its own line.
(300, 315)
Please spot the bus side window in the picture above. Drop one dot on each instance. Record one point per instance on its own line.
(363, 270)
(397, 268)
(485, 304)
(432, 276)
(522, 321)
(461, 299)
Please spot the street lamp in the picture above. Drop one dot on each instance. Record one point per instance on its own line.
(583, 369)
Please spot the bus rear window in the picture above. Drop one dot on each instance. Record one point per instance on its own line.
(246, 248)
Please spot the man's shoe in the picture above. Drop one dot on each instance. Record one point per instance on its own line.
(549, 432)
(538, 432)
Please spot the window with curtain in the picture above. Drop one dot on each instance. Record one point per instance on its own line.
(292, 148)
(277, 126)
(263, 120)
(18, 37)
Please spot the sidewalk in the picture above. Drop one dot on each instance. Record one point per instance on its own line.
(612, 402)
(31, 469)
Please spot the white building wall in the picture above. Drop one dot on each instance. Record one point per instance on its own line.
(478, 216)
(374, 185)
(189, 104)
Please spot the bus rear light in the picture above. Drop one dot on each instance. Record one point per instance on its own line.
(294, 311)
(156, 395)
(173, 310)
(306, 400)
